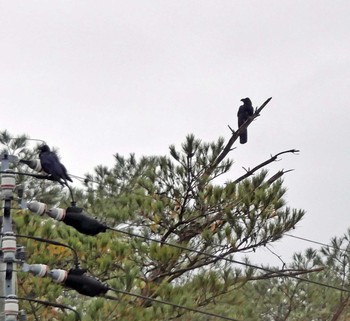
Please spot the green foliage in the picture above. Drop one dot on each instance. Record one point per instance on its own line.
(290, 299)
(175, 199)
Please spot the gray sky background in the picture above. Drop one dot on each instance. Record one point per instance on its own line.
(94, 78)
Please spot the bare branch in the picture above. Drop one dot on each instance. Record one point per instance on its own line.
(270, 160)
(286, 273)
(340, 308)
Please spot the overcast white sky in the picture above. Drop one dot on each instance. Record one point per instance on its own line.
(94, 78)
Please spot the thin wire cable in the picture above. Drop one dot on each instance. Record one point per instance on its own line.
(171, 304)
(316, 242)
(215, 256)
(286, 234)
(75, 255)
(82, 179)
(46, 303)
(34, 139)
(39, 176)
(220, 257)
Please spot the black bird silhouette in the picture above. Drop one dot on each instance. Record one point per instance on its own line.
(52, 166)
(84, 284)
(243, 114)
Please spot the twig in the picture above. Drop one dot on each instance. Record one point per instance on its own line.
(278, 175)
(278, 256)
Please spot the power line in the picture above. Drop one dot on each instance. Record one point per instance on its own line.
(286, 234)
(171, 304)
(90, 180)
(82, 179)
(47, 303)
(281, 273)
(220, 257)
(316, 242)
(76, 260)
(87, 285)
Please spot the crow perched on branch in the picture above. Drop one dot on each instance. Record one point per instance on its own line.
(243, 114)
(52, 166)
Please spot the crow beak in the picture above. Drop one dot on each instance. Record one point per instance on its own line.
(41, 147)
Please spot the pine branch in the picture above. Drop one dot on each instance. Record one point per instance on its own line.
(286, 273)
(234, 137)
(340, 308)
(263, 164)
(291, 298)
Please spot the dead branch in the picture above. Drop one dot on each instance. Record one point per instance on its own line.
(263, 164)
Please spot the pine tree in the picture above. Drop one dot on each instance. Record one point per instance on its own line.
(176, 200)
(162, 205)
(318, 296)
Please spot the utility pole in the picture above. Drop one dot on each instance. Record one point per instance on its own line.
(8, 266)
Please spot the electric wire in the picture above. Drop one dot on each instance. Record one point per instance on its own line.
(286, 234)
(82, 179)
(33, 139)
(278, 273)
(217, 256)
(118, 291)
(75, 255)
(220, 257)
(39, 176)
(125, 292)
(121, 291)
(316, 242)
(170, 304)
(46, 303)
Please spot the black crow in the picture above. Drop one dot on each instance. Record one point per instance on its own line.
(52, 166)
(243, 114)
(77, 279)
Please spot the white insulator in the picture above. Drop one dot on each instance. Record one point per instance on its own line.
(11, 308)
(36, 165)
(33, 164)
(38, 269)
(57, 213)
(8, 184)
(37, 207)
(8, 243)
(8, 247)
(58, 275)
